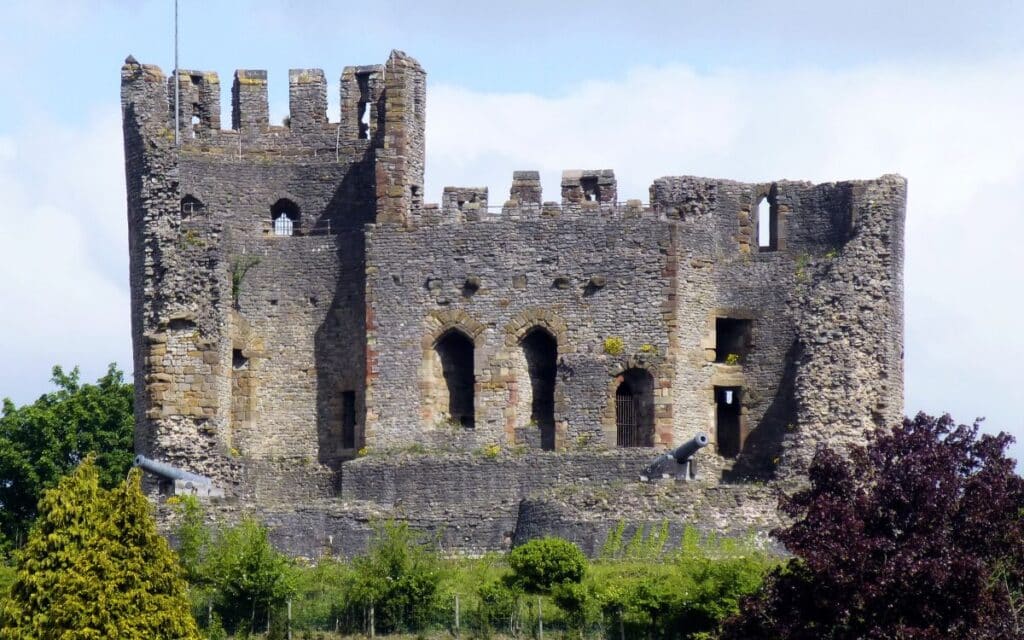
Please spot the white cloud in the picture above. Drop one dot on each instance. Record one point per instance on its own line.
(63, 253)
(954, 132)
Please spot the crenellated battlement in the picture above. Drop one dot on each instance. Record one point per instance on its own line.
(307, 130)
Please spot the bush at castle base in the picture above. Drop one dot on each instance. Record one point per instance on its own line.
(94, 567)
(540, 565)
(919, 535)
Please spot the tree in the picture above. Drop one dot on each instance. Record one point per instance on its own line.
(917, 535)
(95, 567)
(42, 441)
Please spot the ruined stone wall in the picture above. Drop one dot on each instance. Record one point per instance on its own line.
(584, 277)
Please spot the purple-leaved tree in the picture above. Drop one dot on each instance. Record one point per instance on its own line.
(918, 535)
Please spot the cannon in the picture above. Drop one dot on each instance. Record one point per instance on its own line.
(178, 481)
(678, 463)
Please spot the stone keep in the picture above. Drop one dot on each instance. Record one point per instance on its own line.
(295, 303)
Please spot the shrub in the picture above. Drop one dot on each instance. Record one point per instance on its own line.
(541, 564)
(613, 345)
(248, 576)
(400, 577)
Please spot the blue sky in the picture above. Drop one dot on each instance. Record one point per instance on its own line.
(743, 90)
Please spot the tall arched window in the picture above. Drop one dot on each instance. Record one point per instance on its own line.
(767, 224)
(634, 409)
(285, 217)
(541, 351)
(455, 351)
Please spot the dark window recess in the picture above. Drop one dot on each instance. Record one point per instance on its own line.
(541, 351)
(190, 206)
(455, 350)
(728, 426)
(285, 217)
(591, 190)
(732, 338)
(238, 361)
(634, 409)
(348, 419)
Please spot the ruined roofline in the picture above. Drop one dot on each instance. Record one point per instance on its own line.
(592, 194)
(360, 87)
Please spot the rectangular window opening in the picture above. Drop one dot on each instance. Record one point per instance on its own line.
(591, 191)
(238, 361)
(732, 340)
(728, 423)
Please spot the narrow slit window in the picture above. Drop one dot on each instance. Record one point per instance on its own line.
(728, 421)
(348, 419)
(364, 120)
(767, 225)
(196, 122)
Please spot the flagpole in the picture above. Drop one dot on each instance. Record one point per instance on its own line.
(177, 82)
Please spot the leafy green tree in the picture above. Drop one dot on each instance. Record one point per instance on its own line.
(539, 565)
(248, 576)
(94, 567)
(42, 441)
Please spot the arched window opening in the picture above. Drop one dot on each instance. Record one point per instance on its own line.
(190, 205)
(455, 350)
(634, 409)
(285, 216)
(728, 423)
(767, 225)
(541, 351)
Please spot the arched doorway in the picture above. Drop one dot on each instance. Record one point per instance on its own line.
(455, 351)
(541, 352)
(634, 409)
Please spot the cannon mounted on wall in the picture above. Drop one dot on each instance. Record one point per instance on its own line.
(678, 463)
(175, 481)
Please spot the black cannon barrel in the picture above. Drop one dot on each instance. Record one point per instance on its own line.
(167, 471)
(686, 450)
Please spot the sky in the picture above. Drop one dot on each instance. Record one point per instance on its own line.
(750, 91)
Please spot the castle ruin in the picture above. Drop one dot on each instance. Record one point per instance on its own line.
(331, 349)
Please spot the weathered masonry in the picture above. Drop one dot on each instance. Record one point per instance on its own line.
(298, 312)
